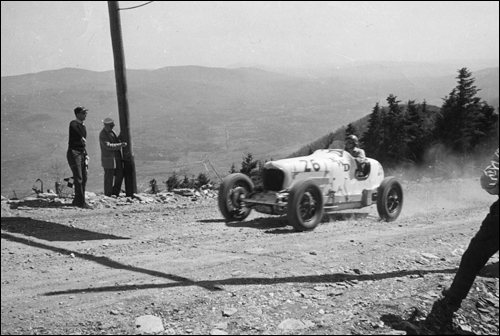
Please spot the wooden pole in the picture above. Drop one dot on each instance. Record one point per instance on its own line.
(121, 91)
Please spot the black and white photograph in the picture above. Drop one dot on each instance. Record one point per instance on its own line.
(250, 167)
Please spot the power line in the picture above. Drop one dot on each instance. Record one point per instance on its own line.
(147, 3)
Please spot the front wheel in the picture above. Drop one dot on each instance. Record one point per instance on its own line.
(232, 192)
(305, 206)
(389, 199)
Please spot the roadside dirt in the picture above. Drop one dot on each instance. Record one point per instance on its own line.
(72, 271)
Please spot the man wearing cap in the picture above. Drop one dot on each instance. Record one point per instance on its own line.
(352, 147)
(77, 156)
(111, 158)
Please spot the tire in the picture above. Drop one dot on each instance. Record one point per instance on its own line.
(389, 199)
(305, 206)
(231, 190)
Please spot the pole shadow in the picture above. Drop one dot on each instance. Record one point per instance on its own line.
(107, 262)
(217, 284)
(50, 231)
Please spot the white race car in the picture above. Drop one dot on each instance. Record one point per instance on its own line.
(305, 188)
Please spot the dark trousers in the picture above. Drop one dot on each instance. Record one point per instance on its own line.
(76, 161)
(113, 179)
(481, 248)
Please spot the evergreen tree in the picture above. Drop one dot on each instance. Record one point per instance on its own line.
(415, 128)
(252, 168)
(351, 130)
(233, 170)
(464, 120)
(202, 180)
(372, 137)
(394, 148)
(173, 181)
(248, 165)
(185, 182)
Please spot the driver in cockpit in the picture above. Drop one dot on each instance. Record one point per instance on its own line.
(352, 147)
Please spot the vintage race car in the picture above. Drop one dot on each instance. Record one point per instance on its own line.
(305, 188)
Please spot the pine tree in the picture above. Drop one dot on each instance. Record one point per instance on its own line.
(252, 168)
(415, 129)
(464, 120)
(248, 165)
(185, 182)
(233, 169)
(351, 130)
(394, 147)
(372, 137)
(172, 182)
(202, 180)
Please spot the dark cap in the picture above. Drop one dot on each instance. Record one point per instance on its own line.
(80, 109)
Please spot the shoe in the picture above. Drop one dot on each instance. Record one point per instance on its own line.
(85, 206)
(452, 299)
(441, 315)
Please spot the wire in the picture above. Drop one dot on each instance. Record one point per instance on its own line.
(147, 3)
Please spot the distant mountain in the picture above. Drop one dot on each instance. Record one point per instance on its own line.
(384, 69)
(180, 116)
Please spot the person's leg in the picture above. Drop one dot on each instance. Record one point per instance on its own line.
(118, 177)
(481, 248)
(108, 181)
(75, 163)
(84, 169)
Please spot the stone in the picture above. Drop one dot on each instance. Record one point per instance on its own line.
(149, 324)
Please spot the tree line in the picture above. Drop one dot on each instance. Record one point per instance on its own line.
(414, 134)
(411, 134)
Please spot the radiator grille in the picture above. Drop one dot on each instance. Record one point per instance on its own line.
(273, 179)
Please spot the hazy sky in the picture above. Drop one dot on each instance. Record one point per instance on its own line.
(46, 35)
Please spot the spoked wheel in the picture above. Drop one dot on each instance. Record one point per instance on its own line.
(233, 190)
(305, 206)
(390, 199)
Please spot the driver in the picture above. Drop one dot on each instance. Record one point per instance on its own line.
(352, 147)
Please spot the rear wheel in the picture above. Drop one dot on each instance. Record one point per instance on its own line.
(232, 191)
(390, 199)
(305, 206)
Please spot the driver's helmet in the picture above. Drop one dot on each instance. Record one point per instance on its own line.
(352, 138)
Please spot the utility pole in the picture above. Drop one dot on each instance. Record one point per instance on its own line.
(121, 92)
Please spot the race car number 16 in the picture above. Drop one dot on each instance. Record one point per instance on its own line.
(309, 164)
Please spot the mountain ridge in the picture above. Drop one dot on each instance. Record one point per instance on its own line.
(181, 115)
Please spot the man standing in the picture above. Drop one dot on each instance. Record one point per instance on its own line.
(111, 158)
(481, 248)
(77, 156)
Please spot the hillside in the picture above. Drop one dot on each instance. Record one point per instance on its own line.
(183, 115)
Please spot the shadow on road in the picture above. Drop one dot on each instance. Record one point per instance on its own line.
(217, 284)
(105, 261)
(490, 271)
(40, 203)
(221, 220)
(279, 222)
(50, 231)
(261, 223)
(211, 285)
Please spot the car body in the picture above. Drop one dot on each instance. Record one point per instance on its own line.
(305, 188)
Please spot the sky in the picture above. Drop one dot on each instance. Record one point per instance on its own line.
(47, 35)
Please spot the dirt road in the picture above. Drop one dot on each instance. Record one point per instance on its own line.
(73, 271)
